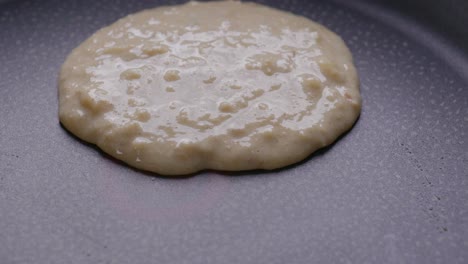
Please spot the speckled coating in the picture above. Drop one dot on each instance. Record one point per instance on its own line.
(393, 190)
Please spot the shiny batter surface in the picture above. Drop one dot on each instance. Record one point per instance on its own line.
(213, 85)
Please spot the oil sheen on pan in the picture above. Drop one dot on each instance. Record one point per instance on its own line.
(214, 85)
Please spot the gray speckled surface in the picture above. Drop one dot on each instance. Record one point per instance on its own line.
(393, 190)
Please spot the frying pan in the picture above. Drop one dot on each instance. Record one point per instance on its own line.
(392, 190)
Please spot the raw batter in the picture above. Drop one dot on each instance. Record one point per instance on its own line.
(213, 85)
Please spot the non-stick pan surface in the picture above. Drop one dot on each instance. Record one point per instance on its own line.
(393, 190)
